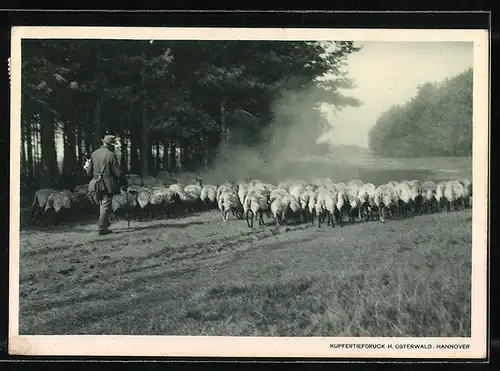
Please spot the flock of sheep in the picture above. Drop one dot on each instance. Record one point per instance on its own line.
(324, 199)
(290, 201)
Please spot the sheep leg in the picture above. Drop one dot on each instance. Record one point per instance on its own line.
(319, 219)
(261, 217)
(366, 213)
(332, 218)
(382, 213)
(246, 216)
(276, 219)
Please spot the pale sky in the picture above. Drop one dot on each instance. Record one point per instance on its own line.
(388, 73)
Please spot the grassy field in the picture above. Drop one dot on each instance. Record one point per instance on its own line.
(199, 276)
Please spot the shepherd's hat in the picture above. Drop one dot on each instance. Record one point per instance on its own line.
(109, 139)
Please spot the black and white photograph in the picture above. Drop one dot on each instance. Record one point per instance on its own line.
(218, 192)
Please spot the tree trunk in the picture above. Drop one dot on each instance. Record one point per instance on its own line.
(82, 150)
(71, 173)
(89, 142)
(124, 152)
(135, 165)
(157, 158)
(173, 158)
(165, 155)
(24, 162)
(78, 145)
(66, 169)
(37, 166)
(152, 156)
(98, 132)
(35, 147)
(29, 143)
(145, 147)
(222, 118)
(185, 157)
(50, 172)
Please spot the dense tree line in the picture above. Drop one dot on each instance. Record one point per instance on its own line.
(171, 103)
(436, 122)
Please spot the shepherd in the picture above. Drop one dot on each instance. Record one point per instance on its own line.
(107, 180)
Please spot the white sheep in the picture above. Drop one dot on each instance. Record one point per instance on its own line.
(143, 201)
(242, 191)
(161, 197)
(86, 165)
(385, 199)
(227, 201)
(454, 193)
(256, 203)
(223, 188)
(191, 197)
(428, 191)
(304, 203)
(416, 195)
(208, 195)
(60, 200)
(439, 195)
(325, 207)
(353, 202)
(468, 191)
(227, 185)
(296, 189)
(278, 192)
(311, 206)
(294, 207)
(355, 185)
(342, 203)
(278, 208)
(366, 195)
(310, 187)
(125, 201)
(405, 200)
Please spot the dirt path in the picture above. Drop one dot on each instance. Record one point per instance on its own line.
(152, 277)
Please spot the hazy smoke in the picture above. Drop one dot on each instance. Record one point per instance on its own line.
(288, 139)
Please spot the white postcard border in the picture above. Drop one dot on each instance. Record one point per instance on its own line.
(204, 346)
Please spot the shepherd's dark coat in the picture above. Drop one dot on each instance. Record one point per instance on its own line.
(112, 175)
